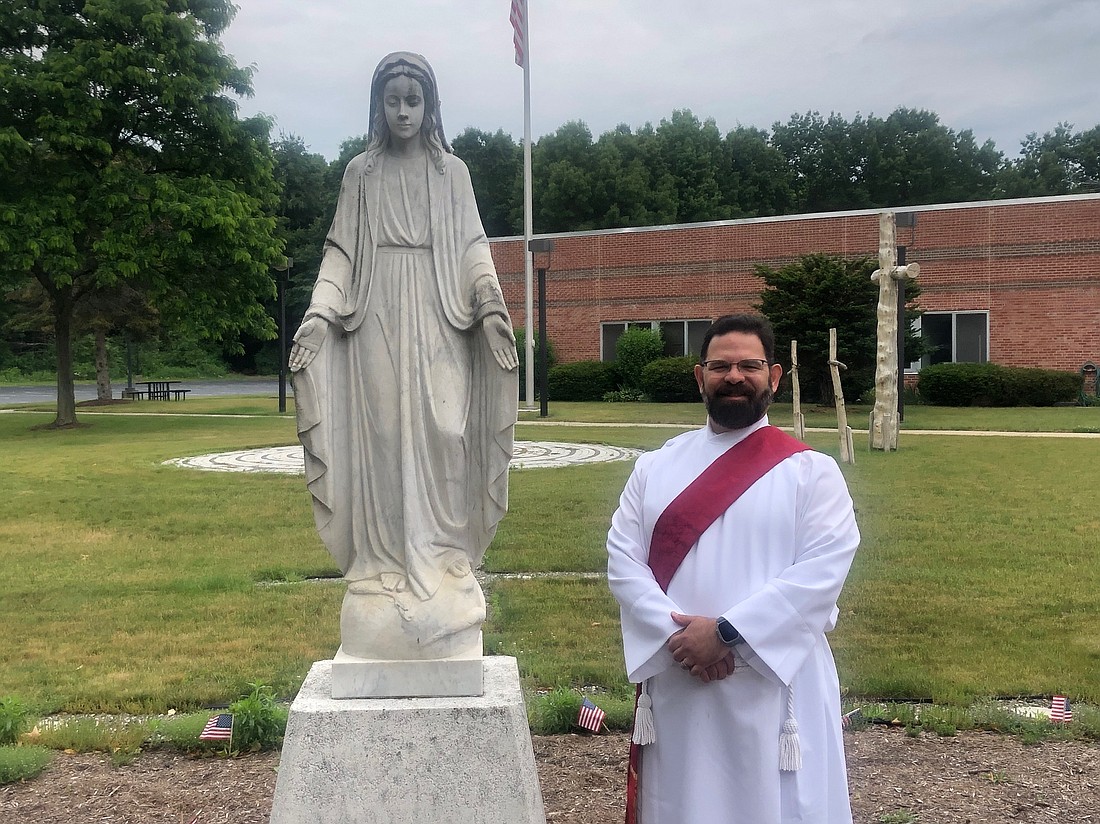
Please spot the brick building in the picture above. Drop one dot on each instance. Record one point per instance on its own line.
(1015, 282)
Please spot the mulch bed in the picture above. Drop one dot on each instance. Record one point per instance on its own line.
(964, 779)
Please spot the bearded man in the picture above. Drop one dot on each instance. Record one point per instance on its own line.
(727, 555)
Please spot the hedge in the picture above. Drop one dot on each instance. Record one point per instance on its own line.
(582, 381)
(670, 380)
(988, 384)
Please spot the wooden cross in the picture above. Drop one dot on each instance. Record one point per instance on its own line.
(883, 431)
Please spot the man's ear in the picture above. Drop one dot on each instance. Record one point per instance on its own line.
(775, 374)
(699, 377)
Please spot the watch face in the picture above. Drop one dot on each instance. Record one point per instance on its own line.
(727, 632)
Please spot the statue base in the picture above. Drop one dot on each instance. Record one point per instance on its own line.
(409, 760)
(354, 677)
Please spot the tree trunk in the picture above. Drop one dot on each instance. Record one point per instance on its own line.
(102, 368)
(63, 331)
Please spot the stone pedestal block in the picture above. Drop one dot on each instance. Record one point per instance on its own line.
(465, 760)
(363, 678)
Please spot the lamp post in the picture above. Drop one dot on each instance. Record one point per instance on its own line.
(545, 246)
(283, 282)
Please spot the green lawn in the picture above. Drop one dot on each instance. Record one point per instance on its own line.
(129, 585)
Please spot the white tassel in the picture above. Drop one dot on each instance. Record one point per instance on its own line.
(790, 749)
(644, 732)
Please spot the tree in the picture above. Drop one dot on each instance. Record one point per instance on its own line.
(806, 298)
(123, 161)
(496, 168)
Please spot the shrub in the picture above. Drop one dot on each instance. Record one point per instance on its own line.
(13, 719)
(258, 721)
(635, 348)
(521, 351)
(670, 380)
(582, 380)
(988, 384)
(22, 763)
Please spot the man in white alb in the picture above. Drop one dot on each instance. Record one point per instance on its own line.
(727, 554)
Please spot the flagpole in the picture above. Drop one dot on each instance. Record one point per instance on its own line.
(528, 279)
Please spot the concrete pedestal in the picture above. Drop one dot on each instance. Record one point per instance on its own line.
(465, 760)
(364, 678)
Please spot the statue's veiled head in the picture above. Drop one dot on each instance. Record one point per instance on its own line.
(414, 67)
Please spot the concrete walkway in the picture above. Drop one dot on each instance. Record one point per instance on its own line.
(288, 460)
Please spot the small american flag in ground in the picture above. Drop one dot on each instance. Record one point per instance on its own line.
(1060, 713)
(849, 718)
(218, 728)
(590, 717)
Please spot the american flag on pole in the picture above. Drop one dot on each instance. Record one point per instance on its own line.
(519, 30)
(1060, 713)
(591, 717)
(218, 728)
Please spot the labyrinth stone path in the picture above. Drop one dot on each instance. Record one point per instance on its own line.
(288, 460)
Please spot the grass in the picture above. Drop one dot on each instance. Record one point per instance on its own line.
(917, 416)
(134, 587)
(23, 763)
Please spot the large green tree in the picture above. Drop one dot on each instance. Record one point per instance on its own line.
(123, 160)
(496, 168)
(806, 298)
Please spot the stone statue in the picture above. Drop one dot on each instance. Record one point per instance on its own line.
(405, 380)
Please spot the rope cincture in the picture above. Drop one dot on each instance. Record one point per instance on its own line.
(790, 749)
(644, 732)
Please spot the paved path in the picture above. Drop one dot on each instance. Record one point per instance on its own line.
(86, 391)
(288, 460)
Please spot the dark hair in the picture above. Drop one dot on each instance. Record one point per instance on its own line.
(749, 324)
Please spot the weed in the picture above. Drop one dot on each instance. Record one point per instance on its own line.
(899, 817)
(21, 763)
(13, 719)
(259, 723)
(555, 712)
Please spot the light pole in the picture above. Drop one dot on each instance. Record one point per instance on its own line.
(283, 282)
(546, 246)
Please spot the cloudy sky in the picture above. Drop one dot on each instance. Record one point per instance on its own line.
(1002, 68)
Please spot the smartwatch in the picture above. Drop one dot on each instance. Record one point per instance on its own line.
(727, 633)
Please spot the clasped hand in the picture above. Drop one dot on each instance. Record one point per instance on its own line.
(697, 649)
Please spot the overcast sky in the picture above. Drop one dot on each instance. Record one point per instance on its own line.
(1001, 68)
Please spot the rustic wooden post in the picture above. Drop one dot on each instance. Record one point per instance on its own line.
(847, 453)
(883, 428)
(799, 420)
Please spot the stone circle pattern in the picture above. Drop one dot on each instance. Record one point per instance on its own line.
(288, 460)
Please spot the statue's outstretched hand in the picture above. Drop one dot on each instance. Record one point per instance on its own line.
(501, 340)
(307, 342)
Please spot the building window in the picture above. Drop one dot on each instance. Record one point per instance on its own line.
(955, 337)
(681, 337)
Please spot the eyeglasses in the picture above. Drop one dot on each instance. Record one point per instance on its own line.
(747, 367)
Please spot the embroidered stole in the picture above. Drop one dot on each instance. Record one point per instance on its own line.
(691, 513)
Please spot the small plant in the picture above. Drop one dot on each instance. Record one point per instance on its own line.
(121, 738)
(899, 817)
(22, 763)
(555, 713)
(258, 721)
(13, 719)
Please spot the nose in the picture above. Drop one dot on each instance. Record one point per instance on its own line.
(402, 111)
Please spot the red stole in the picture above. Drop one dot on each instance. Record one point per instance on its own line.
(690, 515)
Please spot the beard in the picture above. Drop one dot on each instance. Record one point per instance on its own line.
(735, 407)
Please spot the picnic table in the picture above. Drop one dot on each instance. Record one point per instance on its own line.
(162, 391)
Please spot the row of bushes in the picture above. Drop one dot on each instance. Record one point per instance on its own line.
(665, 380)
(988, 384)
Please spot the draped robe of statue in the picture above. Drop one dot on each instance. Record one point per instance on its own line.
(405, 416)
(773, 564)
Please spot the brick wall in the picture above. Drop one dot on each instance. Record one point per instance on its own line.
(1033, 264)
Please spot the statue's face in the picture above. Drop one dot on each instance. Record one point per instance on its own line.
(403, 100)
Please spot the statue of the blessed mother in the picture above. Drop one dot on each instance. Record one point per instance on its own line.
(405, 376)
